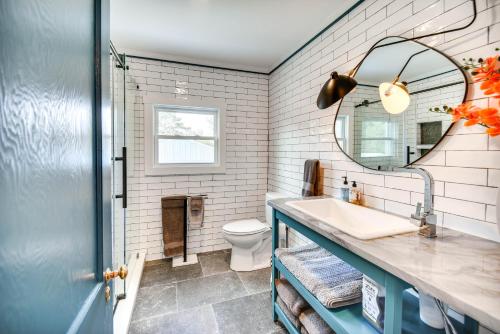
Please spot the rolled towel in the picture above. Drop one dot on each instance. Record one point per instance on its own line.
(303, 330)
(334, 282)
(293, 319)
(313, 323)
(295, 302)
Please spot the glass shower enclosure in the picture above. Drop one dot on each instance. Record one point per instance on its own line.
(119, 168)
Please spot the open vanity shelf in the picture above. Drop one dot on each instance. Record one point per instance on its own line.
(401, 307)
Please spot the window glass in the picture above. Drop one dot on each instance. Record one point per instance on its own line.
(339, 127)
(377, 148)
(185, 123)
(378, 138)
(186, 135)
(376, 129)
(177, 151)
(340, 131)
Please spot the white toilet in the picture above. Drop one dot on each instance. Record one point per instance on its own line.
(251, 240)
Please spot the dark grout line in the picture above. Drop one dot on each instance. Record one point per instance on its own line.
(158, 284)
(215, 318)
(201, 266)
(176, 298)
(153, 316)
(189, 279)
(236, 298)
(243, 283)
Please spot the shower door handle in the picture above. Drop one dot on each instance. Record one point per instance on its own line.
(123, 159)
(124, 177)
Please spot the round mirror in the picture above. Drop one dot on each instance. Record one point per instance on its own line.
(386, 121)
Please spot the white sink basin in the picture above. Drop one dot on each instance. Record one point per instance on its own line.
(358, 221)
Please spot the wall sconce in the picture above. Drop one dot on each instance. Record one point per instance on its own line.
(335, 89)
(339, 86)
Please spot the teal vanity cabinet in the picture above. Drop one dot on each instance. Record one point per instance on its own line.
(401, 307)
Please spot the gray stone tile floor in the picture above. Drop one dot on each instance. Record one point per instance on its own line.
(207, 297)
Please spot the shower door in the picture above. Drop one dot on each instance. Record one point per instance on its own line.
(119, 169)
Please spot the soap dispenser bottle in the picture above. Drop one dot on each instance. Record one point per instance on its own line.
(355, 194)
(344, 190)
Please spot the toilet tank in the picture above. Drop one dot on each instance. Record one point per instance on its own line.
(269, 210)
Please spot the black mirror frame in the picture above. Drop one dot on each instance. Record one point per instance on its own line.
(442, 136)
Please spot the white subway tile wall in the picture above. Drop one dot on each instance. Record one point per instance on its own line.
(466, 164)
(237, 194)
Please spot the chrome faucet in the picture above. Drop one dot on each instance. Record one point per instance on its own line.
(427, 220)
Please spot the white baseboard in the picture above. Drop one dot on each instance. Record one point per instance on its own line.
(125, 307)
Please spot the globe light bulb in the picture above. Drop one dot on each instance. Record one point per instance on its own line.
(395, 97)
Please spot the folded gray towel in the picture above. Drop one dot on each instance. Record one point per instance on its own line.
(311, 178)
(196, 211)
(290, 297)
(293, 319)
(313, 323)
(334, 282)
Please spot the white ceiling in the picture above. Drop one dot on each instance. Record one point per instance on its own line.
(253, 35)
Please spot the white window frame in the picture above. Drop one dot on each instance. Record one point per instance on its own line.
(152, 166)
(344, 136)
(390, 146)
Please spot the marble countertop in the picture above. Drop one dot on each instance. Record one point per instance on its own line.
(459, 269)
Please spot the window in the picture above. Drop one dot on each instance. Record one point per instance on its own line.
(183, 137)
(378, 138)
(341, 131)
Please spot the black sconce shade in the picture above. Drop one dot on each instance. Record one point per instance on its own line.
(334, 89)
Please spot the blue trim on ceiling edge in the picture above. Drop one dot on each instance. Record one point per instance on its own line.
(347, 12)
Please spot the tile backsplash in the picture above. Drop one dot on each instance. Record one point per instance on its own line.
(465, 165)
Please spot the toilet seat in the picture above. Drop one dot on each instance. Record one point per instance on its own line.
(245, 227)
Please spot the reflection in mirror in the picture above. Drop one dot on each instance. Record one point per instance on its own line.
(394, 133)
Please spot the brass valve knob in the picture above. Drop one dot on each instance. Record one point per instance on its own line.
(107, 293)
(121, 272)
